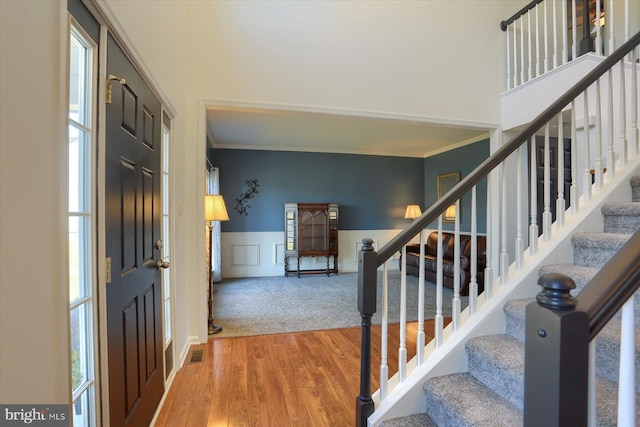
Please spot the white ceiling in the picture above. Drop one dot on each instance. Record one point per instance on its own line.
(274, 129)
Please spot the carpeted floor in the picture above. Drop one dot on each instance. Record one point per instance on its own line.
(272, 305)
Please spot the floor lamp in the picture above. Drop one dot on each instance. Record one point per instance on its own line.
(214, 210)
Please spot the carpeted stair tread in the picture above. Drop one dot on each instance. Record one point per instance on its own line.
(621, 217)
(596, 249)
(415, 420)
(515, 311)
(581, 274)
(462, 401)
(498, 362)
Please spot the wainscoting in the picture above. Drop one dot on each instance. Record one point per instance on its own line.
(259, 254)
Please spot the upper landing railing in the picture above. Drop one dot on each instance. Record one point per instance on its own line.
(546, 34)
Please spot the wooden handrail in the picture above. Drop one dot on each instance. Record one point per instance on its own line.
(504, 24)
(612, 286)
(431, 214)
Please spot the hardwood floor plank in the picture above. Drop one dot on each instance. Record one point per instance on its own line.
(299, 379)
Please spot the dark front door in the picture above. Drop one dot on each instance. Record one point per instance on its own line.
(134, 316)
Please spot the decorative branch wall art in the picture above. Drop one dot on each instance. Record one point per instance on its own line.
(242, 204)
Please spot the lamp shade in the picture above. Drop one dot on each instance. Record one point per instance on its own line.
(214, 208)
(413, 211)
(450, 213)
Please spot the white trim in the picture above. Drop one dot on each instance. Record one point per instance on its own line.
(202, 309)
(103, 12)
(459, 144)
(102, 250)
(63, 138)
(222, 105)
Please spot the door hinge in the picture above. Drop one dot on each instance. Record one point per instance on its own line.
(107, 267)
(110, 80)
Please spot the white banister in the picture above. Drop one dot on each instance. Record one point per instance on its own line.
(574, 161)
(555, 35)
(530, 36)
(574, 27)
(504, 251)
(546, 38)
(488, 271)
(627, 375)
(592, 418)
(623, 117)
(473, 282)
(522, 66)
(439, 318)
(611, 23)
(560, 201)
(586, 177)
(402, 349)
(384, 327)
(598, 27)
(546, 213)
(598, 162)
(519, 213)
(611, 157)
(516, 68)
(627, 21)
(509, 86)
(538, 58)
(455, 303)
(565, 52)
(635, 139)
(420, 335)
(533, 191)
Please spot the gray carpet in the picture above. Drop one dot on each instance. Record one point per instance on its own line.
(273, 305)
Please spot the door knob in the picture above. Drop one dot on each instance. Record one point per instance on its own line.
(162, 264)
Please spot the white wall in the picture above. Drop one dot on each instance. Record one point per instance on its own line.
(34, 325)
(435, 59)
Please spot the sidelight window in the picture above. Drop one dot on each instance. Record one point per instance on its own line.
(82, 271)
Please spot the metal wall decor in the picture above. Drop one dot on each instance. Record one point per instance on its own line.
(242, 204)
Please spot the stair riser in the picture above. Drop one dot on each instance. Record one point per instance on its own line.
(621, 224)
(507, 384)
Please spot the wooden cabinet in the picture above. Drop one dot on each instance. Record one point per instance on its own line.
(311, 230)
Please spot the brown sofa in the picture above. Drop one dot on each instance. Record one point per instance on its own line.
(431, 263)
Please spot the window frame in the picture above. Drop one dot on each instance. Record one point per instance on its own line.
(86, 394)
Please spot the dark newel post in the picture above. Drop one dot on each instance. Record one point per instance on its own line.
(367, 278)
(556, 357)
(586, 44)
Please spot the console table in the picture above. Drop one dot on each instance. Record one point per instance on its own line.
(311, 230)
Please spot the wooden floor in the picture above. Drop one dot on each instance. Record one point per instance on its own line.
(297, 379)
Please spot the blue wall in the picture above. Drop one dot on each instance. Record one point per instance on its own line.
(372, 191)
(464, 160)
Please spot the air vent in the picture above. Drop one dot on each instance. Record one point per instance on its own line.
(197, 356)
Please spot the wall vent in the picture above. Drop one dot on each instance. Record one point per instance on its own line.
(197, 356)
